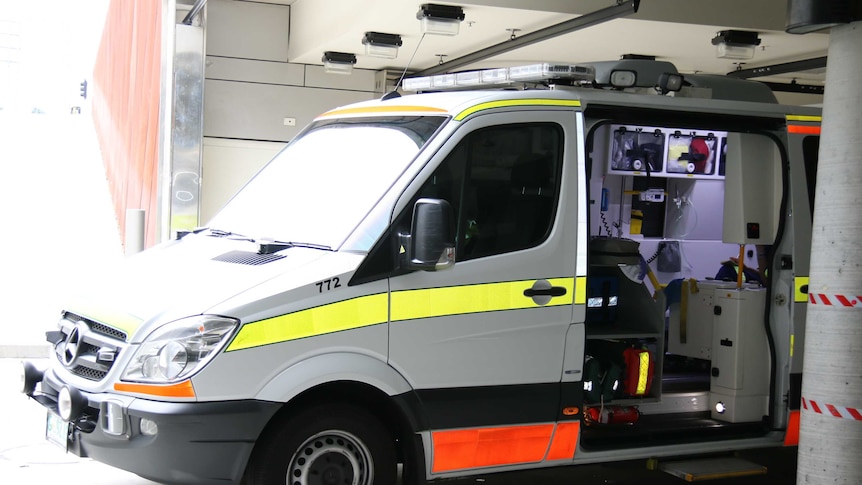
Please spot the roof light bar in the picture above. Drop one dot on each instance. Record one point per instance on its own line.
(542, 72)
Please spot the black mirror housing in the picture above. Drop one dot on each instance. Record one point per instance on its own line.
(431, 243)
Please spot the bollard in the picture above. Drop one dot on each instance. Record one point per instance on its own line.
(134, 242)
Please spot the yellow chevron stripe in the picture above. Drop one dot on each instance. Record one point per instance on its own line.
(383, 110)
(817, 119)
(334, 317)
(460, 300)
(406, 305)
(516, 102)
(109, 316)
(798, 283)
(581, 290)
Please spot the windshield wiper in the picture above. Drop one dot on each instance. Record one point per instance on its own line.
(230, 235)
(269, 246)
(183, 233)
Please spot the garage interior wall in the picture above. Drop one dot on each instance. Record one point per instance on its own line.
(255, 100)
(126, 90)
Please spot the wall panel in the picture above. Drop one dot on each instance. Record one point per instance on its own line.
(247, 30)
(253, 111)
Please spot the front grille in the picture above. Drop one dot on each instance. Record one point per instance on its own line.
(88, 373)
(106, 330)
(81, 343)
(89, 349)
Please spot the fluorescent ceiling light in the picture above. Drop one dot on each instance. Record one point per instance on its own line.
(338, 62)
(378, 44)
(735, 44)
(440, 19)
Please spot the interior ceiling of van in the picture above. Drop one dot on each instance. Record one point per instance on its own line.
(678, 31)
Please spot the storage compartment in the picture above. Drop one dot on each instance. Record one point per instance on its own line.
(665, 152)
(690, 322)
(637, 149)
(623, 319)
(739, 387)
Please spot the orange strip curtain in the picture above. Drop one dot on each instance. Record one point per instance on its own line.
(126, 97)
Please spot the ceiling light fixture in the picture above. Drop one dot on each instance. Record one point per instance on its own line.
(378, 44)
(338, 62)
(735, 44)
(440, 19)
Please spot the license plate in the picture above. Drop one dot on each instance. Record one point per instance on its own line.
(57, 431)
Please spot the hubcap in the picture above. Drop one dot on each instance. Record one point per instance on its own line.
(331, 458)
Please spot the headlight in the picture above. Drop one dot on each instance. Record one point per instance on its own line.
(179, 349)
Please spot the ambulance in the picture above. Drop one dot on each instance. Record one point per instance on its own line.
(510, 269)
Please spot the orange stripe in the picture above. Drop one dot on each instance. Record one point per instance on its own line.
(565, 441)
(803, 129)
(791, 438)
(180, 389)
(383, 109)
(481, 447)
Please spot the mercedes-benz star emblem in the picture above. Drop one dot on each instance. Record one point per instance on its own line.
(73, 343)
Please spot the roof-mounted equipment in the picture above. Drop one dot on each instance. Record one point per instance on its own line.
(638, 73)
(543, 73)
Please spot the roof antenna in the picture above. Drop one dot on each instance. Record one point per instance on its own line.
(394, 93)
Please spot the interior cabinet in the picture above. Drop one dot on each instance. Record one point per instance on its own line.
(622, 313)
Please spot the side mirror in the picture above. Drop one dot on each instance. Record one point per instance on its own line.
(430, 246)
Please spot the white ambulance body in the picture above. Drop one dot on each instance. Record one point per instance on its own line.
(457, 282)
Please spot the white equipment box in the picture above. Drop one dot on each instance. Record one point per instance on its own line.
(691, 320)
(739, 385)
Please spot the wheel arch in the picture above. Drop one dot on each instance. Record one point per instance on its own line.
(333, 367)
(361, 381)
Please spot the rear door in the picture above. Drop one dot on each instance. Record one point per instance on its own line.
(483, 342)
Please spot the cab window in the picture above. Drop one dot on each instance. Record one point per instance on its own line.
(503, 183)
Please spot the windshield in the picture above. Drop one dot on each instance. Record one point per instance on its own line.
(321, 186)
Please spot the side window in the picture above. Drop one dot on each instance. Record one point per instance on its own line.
(503, 184)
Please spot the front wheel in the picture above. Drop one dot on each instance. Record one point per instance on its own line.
(325, 445)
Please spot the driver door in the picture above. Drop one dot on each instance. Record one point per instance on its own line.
(483, 342)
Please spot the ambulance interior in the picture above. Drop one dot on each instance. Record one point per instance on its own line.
(670, 349)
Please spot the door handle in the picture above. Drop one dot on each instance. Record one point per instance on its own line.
(542, 291)
(552, 291)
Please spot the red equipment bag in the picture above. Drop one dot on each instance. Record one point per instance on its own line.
(612, 415)
(639, 371)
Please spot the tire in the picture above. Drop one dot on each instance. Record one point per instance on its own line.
(330, 444)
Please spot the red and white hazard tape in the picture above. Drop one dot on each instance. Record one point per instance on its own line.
(831, 409)
(847, 301)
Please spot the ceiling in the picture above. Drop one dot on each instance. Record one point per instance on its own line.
(678, 31)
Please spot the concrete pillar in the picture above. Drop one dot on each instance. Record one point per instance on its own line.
(830, 439)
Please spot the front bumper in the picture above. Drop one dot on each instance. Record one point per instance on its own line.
(196, 442)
